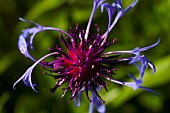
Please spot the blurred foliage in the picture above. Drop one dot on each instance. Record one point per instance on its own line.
(143, 25)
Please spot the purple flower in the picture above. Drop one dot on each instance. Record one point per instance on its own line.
(85, 65)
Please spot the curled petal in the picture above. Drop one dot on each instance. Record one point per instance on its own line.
(26, 77)
(23, 44)
(144, 64)
(31, 31)
(143, 59)
(152, 66)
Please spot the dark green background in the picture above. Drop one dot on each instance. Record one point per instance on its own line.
(142, 26)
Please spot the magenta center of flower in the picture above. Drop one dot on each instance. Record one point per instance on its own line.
(81, 66)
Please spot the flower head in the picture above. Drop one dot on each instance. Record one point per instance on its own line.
(85, 65)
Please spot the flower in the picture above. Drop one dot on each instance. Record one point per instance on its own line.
(85, 65)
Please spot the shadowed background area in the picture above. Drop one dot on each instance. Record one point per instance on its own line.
(148, 21)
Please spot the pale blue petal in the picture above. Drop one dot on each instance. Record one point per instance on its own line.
(77, 101)
(134, 85)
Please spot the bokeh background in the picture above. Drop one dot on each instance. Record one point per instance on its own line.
(142, 26)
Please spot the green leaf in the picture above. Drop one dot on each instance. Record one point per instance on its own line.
(7, 60)
(3, 99)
